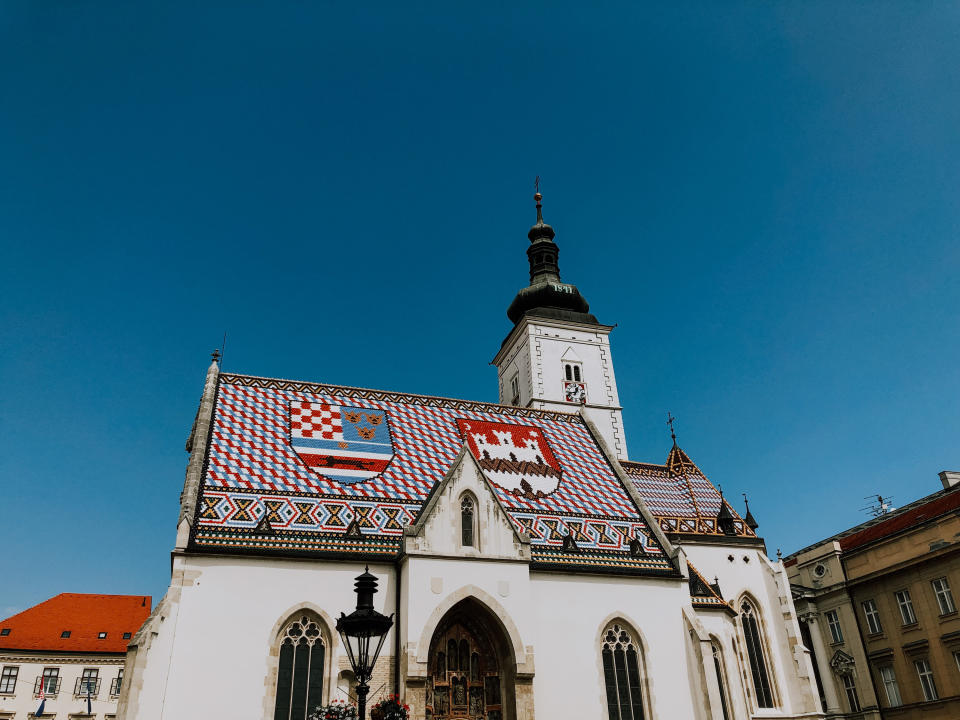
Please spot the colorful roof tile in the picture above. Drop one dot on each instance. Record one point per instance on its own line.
(291, 465)
(73, 622)
(681, 497)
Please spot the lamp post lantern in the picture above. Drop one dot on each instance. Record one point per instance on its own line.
(361, 629)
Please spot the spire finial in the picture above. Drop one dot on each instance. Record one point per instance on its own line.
(670, 421)
(215, 355)
(538, 197)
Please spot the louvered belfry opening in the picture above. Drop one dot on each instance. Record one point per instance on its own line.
(467, 679)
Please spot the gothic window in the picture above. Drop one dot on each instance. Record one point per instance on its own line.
(300, 675)
(515, 389)
(721, 678)
(464, 681)
(758, 662)
(621, 674)
(467, 514)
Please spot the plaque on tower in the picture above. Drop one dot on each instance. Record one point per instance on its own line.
(515, 457)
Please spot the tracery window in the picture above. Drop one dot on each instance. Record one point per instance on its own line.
(621, 674)
(721, 678)
(300, 675)
(758, 660)
(466, 521)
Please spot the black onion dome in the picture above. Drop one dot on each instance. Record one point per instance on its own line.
(547, 296)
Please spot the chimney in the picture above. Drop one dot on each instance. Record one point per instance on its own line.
(949, 478)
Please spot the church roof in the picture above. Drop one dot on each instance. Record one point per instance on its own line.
(681, 497)
(290, 467)
(83, 618)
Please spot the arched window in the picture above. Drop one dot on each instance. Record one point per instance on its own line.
(300, 675)
(466, 521)
(758, 660)
(576, 373)
(721, 678)
(621, 674)
(568, 371)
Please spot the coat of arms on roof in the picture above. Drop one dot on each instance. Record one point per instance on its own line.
(515, 457)
(348, 444)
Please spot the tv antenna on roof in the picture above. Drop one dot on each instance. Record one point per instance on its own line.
(879, 507)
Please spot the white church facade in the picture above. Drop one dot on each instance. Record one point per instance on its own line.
(531, 568)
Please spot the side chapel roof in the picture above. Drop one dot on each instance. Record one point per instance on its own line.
(372, 459)
(82, 617)
(681, 497)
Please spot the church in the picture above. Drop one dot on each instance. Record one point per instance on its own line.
(532, 569)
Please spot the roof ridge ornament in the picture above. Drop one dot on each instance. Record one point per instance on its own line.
(748, 518)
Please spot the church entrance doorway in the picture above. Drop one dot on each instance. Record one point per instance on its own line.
(470, 673)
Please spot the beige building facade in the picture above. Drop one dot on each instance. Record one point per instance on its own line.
(878, 603)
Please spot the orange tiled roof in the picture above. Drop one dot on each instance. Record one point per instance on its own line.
(84, 616)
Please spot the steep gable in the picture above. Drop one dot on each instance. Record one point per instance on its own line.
(438, 529)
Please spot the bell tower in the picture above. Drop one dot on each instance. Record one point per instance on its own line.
(557, 356)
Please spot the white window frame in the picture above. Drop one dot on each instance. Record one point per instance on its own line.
(11, 677)
(850, 688)
(872, 616)
(927, 683)
(833, 622)
(941, 588)
(889, 680)
(905, 603)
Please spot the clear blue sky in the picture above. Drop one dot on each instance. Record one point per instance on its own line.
(763, 196)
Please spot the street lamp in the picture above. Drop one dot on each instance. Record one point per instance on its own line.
(358, 629)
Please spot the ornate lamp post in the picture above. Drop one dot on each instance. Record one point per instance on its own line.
(361, 629)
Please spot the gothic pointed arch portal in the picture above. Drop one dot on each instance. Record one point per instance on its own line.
(470, 669)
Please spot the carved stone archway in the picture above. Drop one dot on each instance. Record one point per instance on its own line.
(471, 667)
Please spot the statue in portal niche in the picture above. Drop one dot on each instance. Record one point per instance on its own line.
(459, 691)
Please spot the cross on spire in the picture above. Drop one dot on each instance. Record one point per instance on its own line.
(670, 421)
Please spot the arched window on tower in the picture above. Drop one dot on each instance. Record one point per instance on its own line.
(758, 661)
(621, 674)
(467, 516)
(721, 678)
(568, 371)
(300, 673)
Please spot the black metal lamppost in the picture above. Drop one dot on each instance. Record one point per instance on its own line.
(361, 629)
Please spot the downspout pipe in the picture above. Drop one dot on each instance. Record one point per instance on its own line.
(396, 627)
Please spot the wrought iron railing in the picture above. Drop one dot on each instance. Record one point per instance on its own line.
(51, 685)
(83, 684)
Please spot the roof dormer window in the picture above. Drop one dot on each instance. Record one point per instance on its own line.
(65, 634)
(4, 632)
(101, 636)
